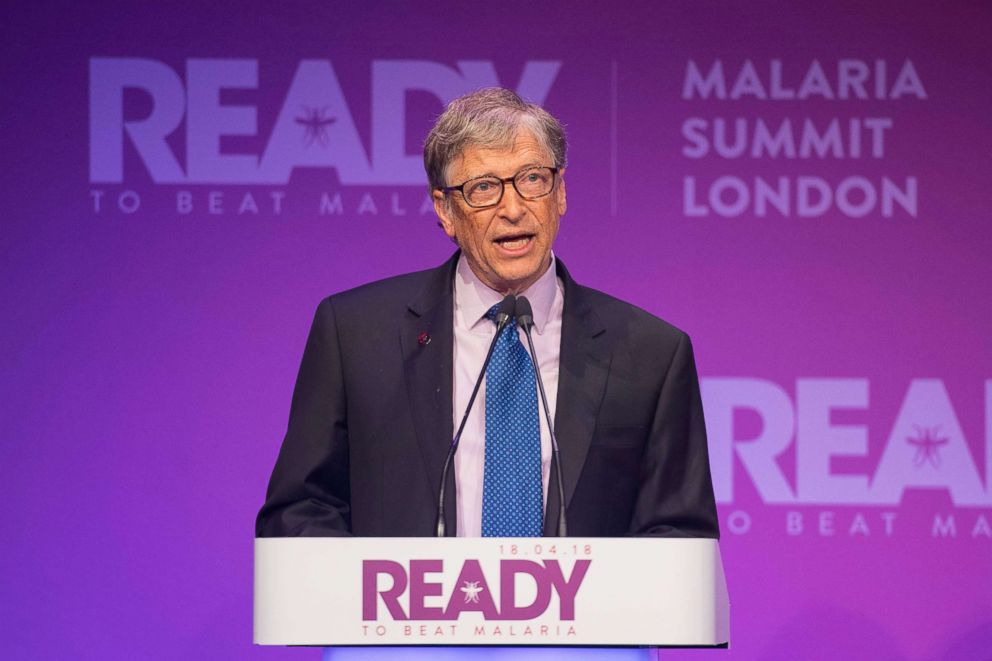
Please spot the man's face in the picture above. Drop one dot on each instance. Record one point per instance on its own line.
(508, 246)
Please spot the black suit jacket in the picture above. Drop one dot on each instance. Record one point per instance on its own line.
(371, 419)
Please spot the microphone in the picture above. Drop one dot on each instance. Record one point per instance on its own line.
(503, 315)
(525, 318)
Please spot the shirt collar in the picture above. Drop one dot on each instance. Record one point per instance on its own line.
(473, 298)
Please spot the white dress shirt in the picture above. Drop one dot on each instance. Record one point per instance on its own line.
(473, 334)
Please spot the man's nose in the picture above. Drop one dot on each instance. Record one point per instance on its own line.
(511, 206)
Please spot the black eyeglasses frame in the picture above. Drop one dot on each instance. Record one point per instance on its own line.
(502, 182)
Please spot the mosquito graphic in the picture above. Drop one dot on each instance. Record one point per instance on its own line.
(927, 443)
(315, 122)
(472, 591)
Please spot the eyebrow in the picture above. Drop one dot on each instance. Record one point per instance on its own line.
(532, 164)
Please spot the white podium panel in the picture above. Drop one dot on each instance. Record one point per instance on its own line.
(472, 591)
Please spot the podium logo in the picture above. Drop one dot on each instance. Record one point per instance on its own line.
(471, 590)
(314, 128)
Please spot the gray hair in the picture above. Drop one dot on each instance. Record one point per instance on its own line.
(489, 118)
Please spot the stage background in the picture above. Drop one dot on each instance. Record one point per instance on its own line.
(164, 249)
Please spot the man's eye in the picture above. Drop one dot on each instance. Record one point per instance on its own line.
(485, 187)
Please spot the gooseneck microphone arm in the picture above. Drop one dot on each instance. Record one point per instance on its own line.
(525, 318)
(503, 315)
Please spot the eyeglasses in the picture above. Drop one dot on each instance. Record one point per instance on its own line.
(530, 183)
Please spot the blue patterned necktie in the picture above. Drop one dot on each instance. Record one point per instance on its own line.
(512, 502)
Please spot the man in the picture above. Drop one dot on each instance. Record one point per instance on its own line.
(389, 368)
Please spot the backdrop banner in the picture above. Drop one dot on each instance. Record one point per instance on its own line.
(804, 189)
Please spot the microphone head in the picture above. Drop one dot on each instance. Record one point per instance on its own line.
(523, 313)
(505, 310)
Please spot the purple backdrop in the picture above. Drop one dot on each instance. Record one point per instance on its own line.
(183, 183)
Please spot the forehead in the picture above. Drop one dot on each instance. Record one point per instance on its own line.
(476, 161)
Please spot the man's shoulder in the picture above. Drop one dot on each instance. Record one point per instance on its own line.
(642, 346)
(631, 320)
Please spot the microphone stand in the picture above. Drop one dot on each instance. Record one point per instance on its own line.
(503, 316)
(525, 318)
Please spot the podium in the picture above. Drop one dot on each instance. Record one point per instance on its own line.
(517, 592)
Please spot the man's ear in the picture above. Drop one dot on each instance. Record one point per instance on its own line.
(560, 197)
(444, 213)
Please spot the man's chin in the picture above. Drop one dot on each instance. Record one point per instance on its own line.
(514, 282)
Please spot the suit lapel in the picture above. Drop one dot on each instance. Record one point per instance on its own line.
(428, 369)
(582, 371)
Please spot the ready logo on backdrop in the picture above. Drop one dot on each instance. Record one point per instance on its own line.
(315, 128)
(923, 448)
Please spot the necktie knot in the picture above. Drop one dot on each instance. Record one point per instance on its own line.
(493, 311)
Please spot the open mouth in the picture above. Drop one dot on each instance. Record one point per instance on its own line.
(515, 241)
